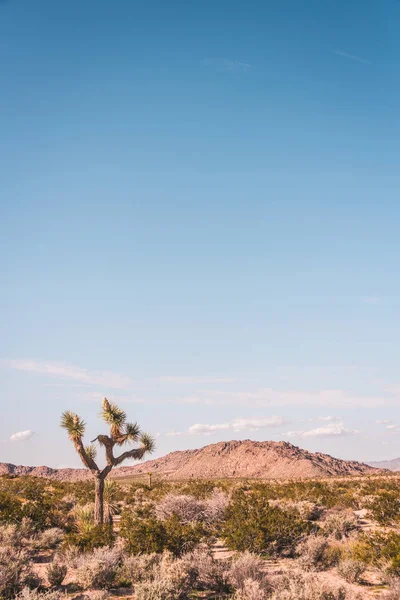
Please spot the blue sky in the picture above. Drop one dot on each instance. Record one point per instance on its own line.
(199, 219)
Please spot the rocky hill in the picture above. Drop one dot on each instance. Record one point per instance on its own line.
(275, 460)
(241, 459)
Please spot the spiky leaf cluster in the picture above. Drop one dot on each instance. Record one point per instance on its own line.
(74, 425)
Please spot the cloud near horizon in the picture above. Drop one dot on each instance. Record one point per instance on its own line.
(331, 430)
(64, 370)
(21, 436)
(235, 425)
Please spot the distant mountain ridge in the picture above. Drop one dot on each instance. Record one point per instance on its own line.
(234, 459)
(391, 465)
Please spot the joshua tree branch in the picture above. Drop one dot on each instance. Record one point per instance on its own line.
(136, 453)
(87, 460)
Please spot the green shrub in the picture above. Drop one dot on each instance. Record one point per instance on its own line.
(91, 538)
(147, 535)
(385, 508)
(252, 524)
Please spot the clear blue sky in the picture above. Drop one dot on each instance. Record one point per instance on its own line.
(200, 219)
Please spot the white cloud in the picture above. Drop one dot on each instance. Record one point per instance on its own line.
(331, 430)
(21, 436)
(384, 422)
(64, 370)
(352, 57)
(237, 425)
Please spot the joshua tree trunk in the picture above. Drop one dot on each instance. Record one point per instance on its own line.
(99, 500)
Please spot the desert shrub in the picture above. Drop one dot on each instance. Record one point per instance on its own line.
(15, 572)
(296, 586)
(379, 549)
(90, 538)
(56, 573)
(244, 567)
(252, 524)
(186, 508)
(351, 570)
(394, 589)
(142, 536)
(49, 538)
(99, 568)
(157, 589)
(11, 535)
(10, 508)
(181, 538)
(250, 590)
(139, 568)
(340, 524)
(210, 574)
(312, 553)
(385, 508)
(215, 507)
(147, 535)
(69, 555)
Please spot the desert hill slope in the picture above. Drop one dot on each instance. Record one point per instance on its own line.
(275, 460)
(242, 459)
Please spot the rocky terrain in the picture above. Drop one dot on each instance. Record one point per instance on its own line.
(235, 459)
(275, 460)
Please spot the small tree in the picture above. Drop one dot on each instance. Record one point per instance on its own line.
(121, 433)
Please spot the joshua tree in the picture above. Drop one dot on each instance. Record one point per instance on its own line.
(121, 433)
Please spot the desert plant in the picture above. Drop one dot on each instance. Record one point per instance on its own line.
(312, 553)
(252, 524)
(250, 590)
(121, 432)
(157, 589)
(56, 573)
(245, 567)
(385, 508)
(394, 589)
(98, 569)
(210, 574)
(15, 572)
(215, 507)
(297, 586)
(351, 570)
(187, 508)
(94, 536)
(139, 568)
(340, 524)
(49, 538)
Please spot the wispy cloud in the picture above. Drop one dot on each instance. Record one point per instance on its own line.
(352, 57)
(63, 370)
(226, 64)
(372, 300)
(267, 397)
(196, 379)
(21, 436)
(236, 425)
(331, 430)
